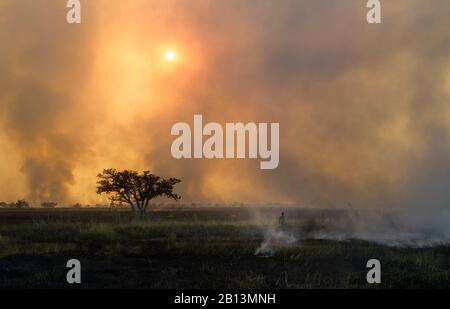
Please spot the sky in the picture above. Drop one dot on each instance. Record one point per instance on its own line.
(363, 109)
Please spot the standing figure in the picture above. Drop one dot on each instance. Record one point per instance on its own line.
(281, 220)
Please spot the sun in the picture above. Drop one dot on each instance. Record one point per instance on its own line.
(170, 55)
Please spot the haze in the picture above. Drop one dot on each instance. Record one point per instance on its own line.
(364, 109)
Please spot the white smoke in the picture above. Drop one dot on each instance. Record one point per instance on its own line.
(274, 239)
(387, 228)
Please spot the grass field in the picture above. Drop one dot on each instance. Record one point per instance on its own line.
(202, 248)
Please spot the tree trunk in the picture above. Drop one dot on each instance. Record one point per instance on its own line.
(141, 213)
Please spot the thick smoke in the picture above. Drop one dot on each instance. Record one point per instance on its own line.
(43, 70)
(363, 109)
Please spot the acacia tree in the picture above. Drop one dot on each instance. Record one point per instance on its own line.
(135, 189)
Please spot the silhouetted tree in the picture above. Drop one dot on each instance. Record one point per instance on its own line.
(21, 204)
(135, 189)
(77, 206)
(49, 205)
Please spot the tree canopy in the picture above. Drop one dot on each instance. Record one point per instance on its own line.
(135, 189)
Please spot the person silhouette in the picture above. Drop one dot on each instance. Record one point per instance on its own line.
(281, 220)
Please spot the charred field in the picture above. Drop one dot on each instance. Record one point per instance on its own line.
(207, 248)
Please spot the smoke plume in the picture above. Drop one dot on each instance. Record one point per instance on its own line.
(363, 109)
